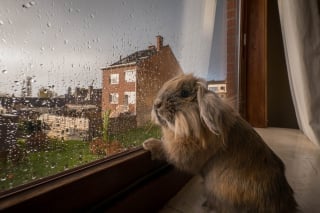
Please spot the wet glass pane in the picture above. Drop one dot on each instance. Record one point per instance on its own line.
(78, 78)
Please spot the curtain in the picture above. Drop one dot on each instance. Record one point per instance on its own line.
(196, 34)
(300, 24)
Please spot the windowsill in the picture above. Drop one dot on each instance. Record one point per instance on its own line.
(95, 185)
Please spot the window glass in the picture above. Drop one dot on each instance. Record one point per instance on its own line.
(130, 76)
(114, 98)
(78, 78)
(114, 78)
(130, 97)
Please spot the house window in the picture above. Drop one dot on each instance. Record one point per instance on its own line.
(130, 76)
(130, 97)
(80, 48)
(114, 98)
(114, 79)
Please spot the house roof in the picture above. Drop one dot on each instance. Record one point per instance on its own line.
(216, 82)
(136, 56)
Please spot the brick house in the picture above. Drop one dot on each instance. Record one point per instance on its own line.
(130, 84)
(219, 87)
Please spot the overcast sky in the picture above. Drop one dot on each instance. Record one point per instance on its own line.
(65, 43)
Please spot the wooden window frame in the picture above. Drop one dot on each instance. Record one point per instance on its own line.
(253, 62)
(104, 184)
(130, 181)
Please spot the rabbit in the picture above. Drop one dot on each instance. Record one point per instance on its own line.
(201, 134)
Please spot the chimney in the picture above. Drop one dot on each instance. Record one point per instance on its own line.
(159, 42)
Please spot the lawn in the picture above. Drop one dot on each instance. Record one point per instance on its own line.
(62, 156)
(135, 137)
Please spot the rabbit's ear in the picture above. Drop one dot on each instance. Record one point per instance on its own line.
(213, 112)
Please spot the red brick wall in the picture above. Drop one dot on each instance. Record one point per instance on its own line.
(120, 88)
(122, 124)
(232, 46)
(151, 75)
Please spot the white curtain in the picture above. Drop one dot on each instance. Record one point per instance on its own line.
(300, 23)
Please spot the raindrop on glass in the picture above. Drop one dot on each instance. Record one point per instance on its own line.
(4, 71)
(27, 5)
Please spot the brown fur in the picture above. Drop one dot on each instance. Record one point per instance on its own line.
(203, 135)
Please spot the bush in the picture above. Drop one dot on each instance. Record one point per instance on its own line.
(99, 147)
(15, 154)
(37, 142)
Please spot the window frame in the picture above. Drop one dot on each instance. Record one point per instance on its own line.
(131, 97)
(112, 77)
(126, 77)
(85, 188)
(114, 98)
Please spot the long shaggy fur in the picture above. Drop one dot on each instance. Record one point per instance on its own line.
(203, 135)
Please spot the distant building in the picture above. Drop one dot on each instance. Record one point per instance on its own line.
(8, 134)
(130, 84)
(17, 103)
(219, 87)
(65, 127)
(3, 110)
(84, 96)
(4, 94)
(26, 90)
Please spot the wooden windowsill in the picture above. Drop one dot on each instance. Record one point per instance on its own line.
(99, 185)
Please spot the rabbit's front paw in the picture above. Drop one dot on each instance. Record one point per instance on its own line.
(155, 147)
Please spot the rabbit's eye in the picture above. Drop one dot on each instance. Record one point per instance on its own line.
(185, 93)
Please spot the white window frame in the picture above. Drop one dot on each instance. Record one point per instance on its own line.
(130, 75)
(131, 97)
(114, 98)
(114, 78)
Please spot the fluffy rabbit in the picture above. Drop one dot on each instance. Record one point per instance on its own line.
(203, 135)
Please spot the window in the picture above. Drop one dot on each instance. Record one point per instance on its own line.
(65, 68)
(114, 98)
(130, 76)
(130, 97)
(114, 79)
